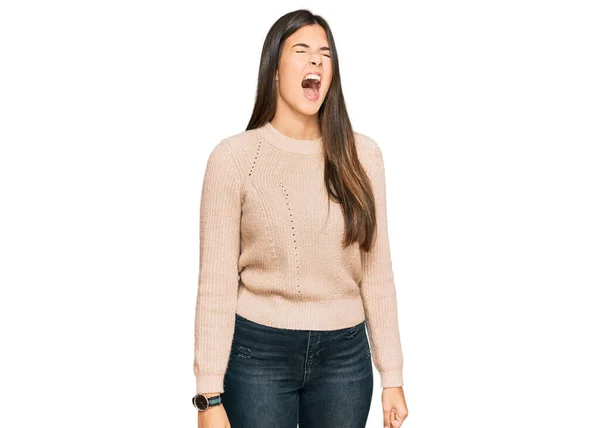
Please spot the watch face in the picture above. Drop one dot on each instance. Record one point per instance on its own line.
(200, 402)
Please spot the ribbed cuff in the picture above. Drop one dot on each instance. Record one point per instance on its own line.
(209, 383)
(391, 378)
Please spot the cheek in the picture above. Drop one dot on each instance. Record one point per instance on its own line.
(288, 89)
(289, 84)
(325, 86)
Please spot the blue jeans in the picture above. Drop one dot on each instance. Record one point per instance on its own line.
(279, 378)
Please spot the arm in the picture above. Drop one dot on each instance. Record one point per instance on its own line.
(220, 213)
(378, 289)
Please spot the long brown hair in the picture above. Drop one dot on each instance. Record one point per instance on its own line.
(345, 179)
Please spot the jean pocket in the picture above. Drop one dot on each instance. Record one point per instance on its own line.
(355, 331)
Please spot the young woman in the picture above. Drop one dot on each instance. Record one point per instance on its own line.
(295, 265)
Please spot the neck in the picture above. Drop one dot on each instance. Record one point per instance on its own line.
(297, 127)
(292, 145)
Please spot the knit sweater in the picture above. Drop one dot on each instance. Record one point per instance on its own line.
(272, 252)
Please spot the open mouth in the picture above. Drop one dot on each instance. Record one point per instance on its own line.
(311, 84)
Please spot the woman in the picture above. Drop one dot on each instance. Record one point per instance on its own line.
(293, 273)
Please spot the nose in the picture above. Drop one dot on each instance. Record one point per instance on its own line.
(316, 60)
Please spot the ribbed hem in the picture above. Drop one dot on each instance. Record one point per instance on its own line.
(300, 315)
(391, 378)
(209, 383)
(288, 144)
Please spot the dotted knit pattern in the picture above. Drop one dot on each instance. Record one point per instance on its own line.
(287, 201)
(271, 251)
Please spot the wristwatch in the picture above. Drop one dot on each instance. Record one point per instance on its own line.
(202, 402)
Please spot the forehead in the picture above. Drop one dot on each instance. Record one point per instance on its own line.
(312, 35)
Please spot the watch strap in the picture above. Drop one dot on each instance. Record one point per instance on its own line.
(203, 402)
(214, 401)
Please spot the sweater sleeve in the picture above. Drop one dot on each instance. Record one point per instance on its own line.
(378, 289)
(220, 214)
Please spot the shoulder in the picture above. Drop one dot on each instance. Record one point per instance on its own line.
(366, 148)
(365, 142)
(234, 151)
(227, 153)
(238, 145)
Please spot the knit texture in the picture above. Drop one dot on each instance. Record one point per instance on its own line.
(271, 250)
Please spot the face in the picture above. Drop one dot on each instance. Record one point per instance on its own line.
(305, 51)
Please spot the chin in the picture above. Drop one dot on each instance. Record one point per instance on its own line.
(308, 109)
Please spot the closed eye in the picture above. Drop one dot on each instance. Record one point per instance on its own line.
(328, 56)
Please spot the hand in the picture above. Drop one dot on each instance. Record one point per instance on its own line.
(394, 406)
(213, 417)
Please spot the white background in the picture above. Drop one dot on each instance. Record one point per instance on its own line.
(488, 117)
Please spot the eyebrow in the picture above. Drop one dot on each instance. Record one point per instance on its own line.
(322, 48)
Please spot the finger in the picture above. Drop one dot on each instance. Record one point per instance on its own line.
(386, 419)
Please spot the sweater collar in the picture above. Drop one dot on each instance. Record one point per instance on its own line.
(288, 144)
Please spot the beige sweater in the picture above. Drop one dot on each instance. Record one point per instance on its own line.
(263, 215)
